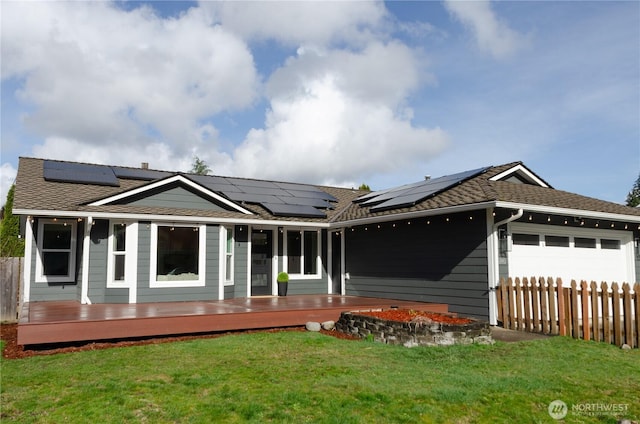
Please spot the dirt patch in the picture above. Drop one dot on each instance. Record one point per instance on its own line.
(12, 350)
(406, 315)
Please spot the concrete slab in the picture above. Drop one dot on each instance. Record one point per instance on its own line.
(504, 335)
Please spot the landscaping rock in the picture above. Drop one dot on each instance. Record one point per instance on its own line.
(312, 326)
(625, 347)
(329, 325)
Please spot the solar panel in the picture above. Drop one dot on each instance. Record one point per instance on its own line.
(412, 194)
(79, 173)
(318, 194)
(138, 173)
(318, 203)
(253, 198)
(293, 210)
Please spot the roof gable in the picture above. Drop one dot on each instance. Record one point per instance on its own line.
(160, 191)
(520, 174)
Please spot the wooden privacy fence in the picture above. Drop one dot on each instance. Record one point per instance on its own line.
(10, 274)
(585, 311)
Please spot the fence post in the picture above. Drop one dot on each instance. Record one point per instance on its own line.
(584, 300)
(512, 305)
(526, 292)
(636, 295)
(506, 302)
(499, 300)
(617, 327)
(535, 301)
(595, 316)
(628, 313)
(545, 309)
(575, 322)
(561, 308)
(554, 315)
(606, 313)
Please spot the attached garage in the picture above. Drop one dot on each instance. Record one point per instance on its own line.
(570, 253)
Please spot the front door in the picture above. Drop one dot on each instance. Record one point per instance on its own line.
(261, 258)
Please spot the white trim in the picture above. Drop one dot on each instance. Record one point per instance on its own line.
(166, 181)
(343, 271)
(285, 256)
(28, 247)
(221, 258)
(131, 263)
(86, 245)
(412, 215)
(551, 210)
(330, 235)
(171, 218)
(522, 171)
(202, 255)
(131, 259)
(493, 265)
(71, 276)
(274, 261)
(249, 261)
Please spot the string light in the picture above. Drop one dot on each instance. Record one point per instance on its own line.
(530, 217)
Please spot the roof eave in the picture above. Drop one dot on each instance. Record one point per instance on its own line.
(568, 211)
(168, 218)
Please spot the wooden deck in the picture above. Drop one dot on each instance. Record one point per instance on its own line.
(69, 321)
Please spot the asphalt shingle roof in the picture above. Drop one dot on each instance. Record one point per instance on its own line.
(33, 192)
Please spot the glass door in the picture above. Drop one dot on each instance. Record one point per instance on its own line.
(261, 262)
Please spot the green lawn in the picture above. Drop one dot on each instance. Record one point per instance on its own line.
(301, 377)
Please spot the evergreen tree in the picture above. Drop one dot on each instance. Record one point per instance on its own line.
(363, 186)
(11, 245)
(199, 166)
(633, 198)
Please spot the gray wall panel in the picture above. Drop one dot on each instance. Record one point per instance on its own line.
(173, 196)
(443, 262)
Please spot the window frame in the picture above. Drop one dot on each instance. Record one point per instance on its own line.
(318, 262)
(228, 268)
(112, 253)
(202, 255)
(72, 250)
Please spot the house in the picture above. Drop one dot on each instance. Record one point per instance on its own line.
(111, 234)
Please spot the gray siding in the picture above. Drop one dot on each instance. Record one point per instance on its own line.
(174, 294)
(176, 196)
(241, 264)
(98, 257)
(441, 262)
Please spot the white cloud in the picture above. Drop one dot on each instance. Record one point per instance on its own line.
(102, 75)
(7, 178)
(492, 34)
(297, 23)
(322, 133)
(106, 85)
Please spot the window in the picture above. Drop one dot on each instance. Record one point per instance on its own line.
(526, 239)
(228, 252)
(303, 253)
(584, 243)
(177, 255)
(117, 240)
(57, 244)
(610, 244)
(556, 241)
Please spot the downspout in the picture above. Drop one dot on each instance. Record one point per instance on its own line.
(494, 274)
(86, 244)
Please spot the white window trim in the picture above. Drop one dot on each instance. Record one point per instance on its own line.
(69, 278)
(131, 259)
(202, 256)
(223, 254)
(285, 256)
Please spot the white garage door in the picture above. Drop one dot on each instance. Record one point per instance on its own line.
(571, 253)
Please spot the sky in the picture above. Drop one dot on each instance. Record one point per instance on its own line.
(338, 93)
